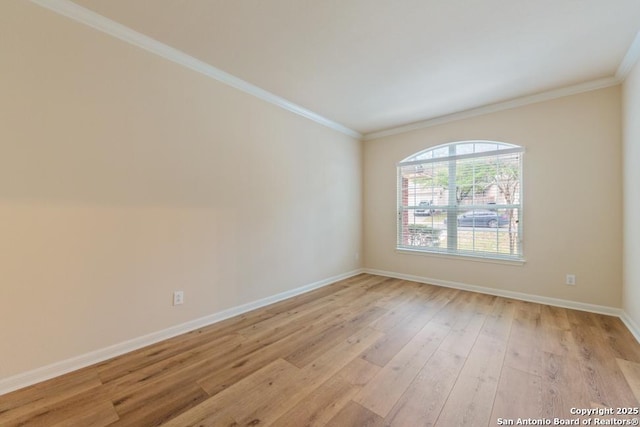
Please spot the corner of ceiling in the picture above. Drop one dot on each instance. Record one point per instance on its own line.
(499, 106)
(80, 14)
(630, 59)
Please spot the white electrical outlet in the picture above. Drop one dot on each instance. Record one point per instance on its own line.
(571, 279)
(178, 297)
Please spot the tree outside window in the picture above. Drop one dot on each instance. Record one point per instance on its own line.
(462, 198)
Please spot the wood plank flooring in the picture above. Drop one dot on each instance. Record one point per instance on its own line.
(366, 351)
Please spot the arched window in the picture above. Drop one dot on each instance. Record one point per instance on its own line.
(462, 198)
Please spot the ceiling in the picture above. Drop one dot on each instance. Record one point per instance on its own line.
(372, 65)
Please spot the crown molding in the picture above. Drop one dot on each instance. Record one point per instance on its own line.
(630, 59)
(92, 19)
(500, 106)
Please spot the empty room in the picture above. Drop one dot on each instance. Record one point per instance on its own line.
(319, 213)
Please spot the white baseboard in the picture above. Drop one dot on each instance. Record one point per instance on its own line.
(600, 309)
(65, 366)
(631, 325)
(557, 302)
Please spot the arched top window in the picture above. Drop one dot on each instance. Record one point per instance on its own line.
(451, 149)
(462, 198)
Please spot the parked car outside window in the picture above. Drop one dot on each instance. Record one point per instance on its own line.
(424, 209)
(482, 218)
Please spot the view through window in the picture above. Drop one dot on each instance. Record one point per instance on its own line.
(462, 198)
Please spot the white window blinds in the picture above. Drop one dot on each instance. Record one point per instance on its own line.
(462, 198)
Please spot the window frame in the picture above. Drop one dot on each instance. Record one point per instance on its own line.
(453, 210)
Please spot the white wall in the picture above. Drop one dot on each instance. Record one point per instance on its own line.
(124, 176)
(631, 153)
(572, 199)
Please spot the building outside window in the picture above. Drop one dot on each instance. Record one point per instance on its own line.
(462, 198)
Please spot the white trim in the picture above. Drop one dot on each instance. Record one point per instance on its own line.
(557, 302)
(630, 59)
(85, 16)
(500, 106)
(88, 17)
(65, 366)
(631, 325)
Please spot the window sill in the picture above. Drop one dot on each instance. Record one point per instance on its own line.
(445, 255)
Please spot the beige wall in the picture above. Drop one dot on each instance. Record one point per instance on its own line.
(572, 199)
(124, 177)
(631, 121)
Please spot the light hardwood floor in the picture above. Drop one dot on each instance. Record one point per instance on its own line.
(366, 351)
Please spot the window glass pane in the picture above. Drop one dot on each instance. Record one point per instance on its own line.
(487, 232)
(464, 148)
(468, 206)
(459, 148)
(481, 147)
